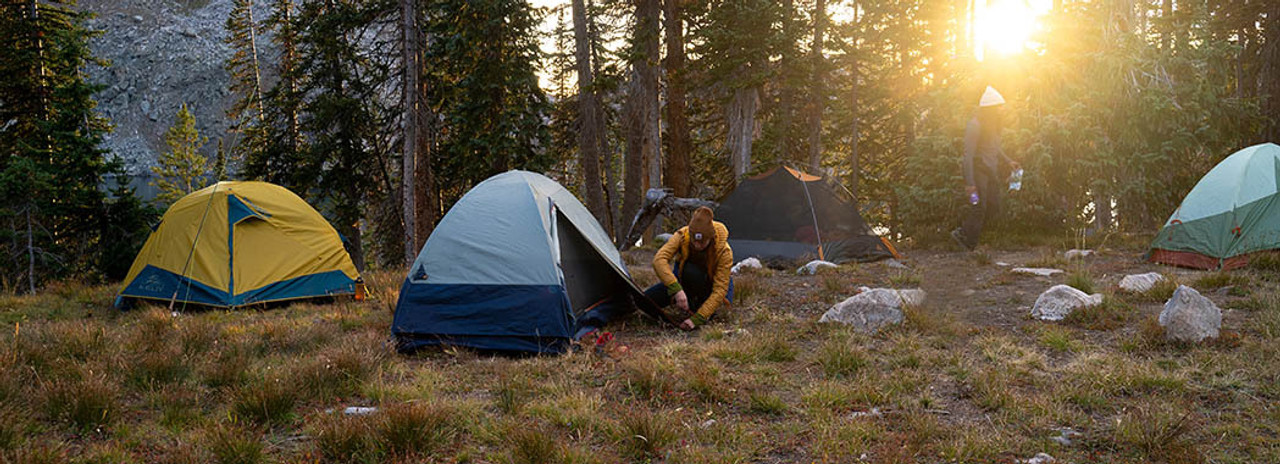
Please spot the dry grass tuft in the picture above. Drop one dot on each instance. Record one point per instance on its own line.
(267, 401)
(87, 401)
(645, 436)
(415, 429)
(229, 444)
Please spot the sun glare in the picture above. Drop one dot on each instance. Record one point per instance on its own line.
(1006, 27)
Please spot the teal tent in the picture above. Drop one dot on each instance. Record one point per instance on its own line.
(1233, 211)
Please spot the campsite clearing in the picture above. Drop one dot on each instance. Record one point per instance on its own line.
(969, 377)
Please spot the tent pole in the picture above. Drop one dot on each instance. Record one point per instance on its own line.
(192, 251)
(814, 215)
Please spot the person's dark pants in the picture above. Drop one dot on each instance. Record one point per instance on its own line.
(695, 282)
(987, 209)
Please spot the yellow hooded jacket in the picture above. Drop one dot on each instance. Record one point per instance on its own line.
(718, 267)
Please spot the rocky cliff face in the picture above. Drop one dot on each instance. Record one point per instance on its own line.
(162, 53)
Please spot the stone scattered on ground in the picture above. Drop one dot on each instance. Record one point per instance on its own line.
(1040, 458)
(749, 263)
(1036, 271)
(896, 297)
(893, 263)
(813, 266)
(359, 411)
(1002, 264)
(1065, 435)
(873, 309)
(1190, 317)
(1060, 300)
(874, 412)
(1138, 283)
(1076, 254)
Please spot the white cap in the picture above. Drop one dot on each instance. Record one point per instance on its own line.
(991, 98)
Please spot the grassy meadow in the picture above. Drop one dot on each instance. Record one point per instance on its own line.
(969, 377)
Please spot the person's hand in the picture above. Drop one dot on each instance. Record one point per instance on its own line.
(682, 301)
(687, 324)
(970, 189)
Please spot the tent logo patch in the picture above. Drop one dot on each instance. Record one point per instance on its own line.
(153, 284)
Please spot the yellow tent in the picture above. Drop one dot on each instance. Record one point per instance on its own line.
(240, 243)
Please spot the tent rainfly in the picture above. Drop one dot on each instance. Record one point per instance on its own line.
(235, 244)
(1233, 211)
(787, 214)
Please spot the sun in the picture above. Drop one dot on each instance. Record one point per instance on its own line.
(1006, 27)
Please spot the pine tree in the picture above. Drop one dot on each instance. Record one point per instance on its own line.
(51, 165)
(247, 113)
(182, 169)
(490, 107)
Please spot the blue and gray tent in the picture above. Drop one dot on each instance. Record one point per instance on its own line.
(511, 267)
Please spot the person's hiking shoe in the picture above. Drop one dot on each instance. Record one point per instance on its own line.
(955, 235)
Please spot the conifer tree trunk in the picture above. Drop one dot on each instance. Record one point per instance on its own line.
(786, 91)
(257, 70)
(678, 145)
(819, 89)
(590, 118)
(288, 59)
(854, 173)
(741, 115)
(641, 113)
(412, 100)
(1269, 74)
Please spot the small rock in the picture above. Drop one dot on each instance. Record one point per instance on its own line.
(893, 263)
(1038, 271)
(892, 296)
(868, 312)
(1138, 283)
(1040, 458)
(1065, 435)
(359, 411)
(874, 412)
(146, 107)
(1002, 264)
(1060, 300)
(1076, 254)
(1190, 317)
(662, 238)
(749, 263)
(735, 332)
(708, 423)
(813, 266)
(968, 292)
(137, 19)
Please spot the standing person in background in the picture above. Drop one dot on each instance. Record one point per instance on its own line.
(983, 160)
(694, 269)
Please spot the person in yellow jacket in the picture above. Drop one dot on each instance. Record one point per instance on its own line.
(694, 269)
